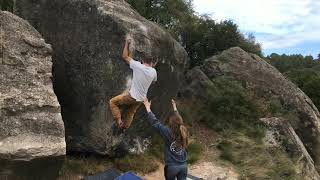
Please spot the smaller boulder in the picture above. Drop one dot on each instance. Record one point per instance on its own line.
(280, 134)
(30, 121)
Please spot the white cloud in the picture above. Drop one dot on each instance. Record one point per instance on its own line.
(276, 23)
(290, 40)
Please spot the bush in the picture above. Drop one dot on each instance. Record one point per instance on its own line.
(226, 151)
(231, 106)
(194, 152)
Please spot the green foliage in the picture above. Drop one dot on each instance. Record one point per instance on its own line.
(226, 150)
(303, 71)
(234, 112)
(140, 163)
(286, 63)
(167, 13)
(308, 79)
(255, 161)
(230, 106)
(275, 107)
(195, 151)
(201, 36)
(7, 5)
(137, 163)
(144, 163)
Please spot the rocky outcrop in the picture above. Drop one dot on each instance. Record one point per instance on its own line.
(256, 75)
(87, 37)
(30, 121)
(280, 134)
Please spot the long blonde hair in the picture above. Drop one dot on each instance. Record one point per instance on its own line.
(178, 129)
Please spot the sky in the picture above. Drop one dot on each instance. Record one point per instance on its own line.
(281, 26)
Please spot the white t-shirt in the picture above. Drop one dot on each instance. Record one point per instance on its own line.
(141, 80)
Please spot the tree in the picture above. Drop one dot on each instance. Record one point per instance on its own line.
(201, 36)
(167, 13)
(308, 79)
(286, 63)
(249, 44)
(303, 71)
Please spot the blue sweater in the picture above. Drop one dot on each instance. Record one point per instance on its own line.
(173, 154)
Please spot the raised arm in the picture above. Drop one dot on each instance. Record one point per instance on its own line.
(156, 124)
(126, 56)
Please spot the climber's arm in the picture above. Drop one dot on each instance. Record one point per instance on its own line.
(126, 56)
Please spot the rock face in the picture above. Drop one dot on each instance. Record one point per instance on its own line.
(280, 134)
(30, 121)
(87, 37)
(266, 82)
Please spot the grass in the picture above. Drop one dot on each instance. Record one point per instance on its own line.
(254, 160)
(195, 151)
(144, 163)
(84, 165)
(233, 112)
(148, 162)
(229, 106)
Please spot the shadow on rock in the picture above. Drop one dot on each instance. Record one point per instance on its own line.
(47, 168)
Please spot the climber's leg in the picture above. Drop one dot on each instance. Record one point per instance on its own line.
(115, 102)
(132, 109)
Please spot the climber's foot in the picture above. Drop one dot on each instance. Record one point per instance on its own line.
(116, 131)
(124, 129)
(119, 123)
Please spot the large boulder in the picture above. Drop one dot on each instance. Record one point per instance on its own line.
(267, 83)
(87, 37)
(280, 134)
(30, 121)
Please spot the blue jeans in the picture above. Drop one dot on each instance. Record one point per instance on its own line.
(171, 172)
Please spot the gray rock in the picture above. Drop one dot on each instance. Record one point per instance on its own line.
(30, 121)
(266, 82)
(280, 134)
(87, 37)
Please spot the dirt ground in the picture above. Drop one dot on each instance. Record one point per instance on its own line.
(204, 170)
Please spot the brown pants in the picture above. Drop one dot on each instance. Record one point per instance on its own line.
(131, 103)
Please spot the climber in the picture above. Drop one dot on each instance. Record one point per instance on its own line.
(143, 75)
(176, 142)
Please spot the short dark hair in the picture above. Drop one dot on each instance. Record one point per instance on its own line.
(147, 59)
